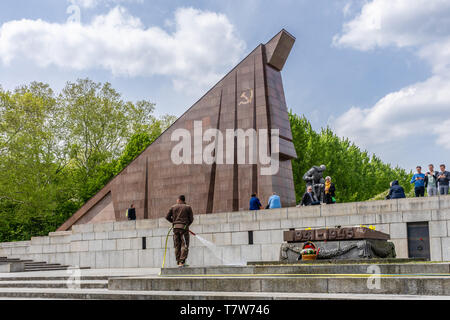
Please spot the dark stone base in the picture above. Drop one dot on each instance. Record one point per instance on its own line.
(353, 249)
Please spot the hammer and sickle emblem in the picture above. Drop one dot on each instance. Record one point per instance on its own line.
(246, 99)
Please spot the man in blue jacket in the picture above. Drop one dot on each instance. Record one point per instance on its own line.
(396, 191)
(419, 182)
(255, 204)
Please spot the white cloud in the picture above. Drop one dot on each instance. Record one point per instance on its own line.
(420, 108)
(89, 4)
(201, 47)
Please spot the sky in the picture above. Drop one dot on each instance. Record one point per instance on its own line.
(376, 72)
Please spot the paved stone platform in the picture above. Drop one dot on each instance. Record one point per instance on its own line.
(411, 268)
(145, 284)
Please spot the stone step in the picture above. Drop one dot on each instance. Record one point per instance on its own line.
(348, 284)
(341, 261)
(48, 278)
(59, 293)
(33, 269)
(84, 284)
(390, 268)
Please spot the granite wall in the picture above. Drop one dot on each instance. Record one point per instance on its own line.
(120, 244)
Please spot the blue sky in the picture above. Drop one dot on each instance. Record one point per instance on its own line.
(375, 71)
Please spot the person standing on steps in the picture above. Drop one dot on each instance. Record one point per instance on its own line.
(431, 181)
(419, 182)
(181, 217)
(443, 179)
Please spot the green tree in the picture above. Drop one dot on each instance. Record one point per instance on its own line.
(357, 175)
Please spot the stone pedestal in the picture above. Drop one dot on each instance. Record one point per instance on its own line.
(347, 249)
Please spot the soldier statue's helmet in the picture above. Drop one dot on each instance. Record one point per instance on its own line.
(322, 167)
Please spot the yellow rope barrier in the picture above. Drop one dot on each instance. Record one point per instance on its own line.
(165, 250)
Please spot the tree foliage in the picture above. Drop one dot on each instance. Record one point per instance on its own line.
(57, 151)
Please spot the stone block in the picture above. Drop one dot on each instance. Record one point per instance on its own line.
(238, 238)
(76, 237)
(212, 218)
(232, 255)
(438, 228)
(332, 221)
(101, 235)
(195, 242)
(125, 225)
(63, 247)
(251, 252)
(249, 226)
(222, 238)
(271, 214)
(416, 216)
(303, 212)
(155, 242)
(444, 202)
(445, 244)
(21, 250)
(104, 227)
(77, 246)
(376, 207)
(213, 258)
(398, 231)
(123, 244)
(35, 249)
(87, 259)
(365, 219)
(59, 239)
(72, 259)
(339, 209)
(240, 216)
(276, 236)
(101, 259)
(158, 255)
(146, 259)
(136, 243)
(160, 232)
(389, 217)
(49, 248)
(95, 245)
(163, 223)
(270, 252)
(210, 228)
(230, 227)
(80, 228)
(418, 204)
(59, 233)
(401, 247)
(260, 237)
(269, 224)
(115, 259)
(130, 259)
(146, 224)
(108, 245)
(144, 232)
(441, 214)
(40, 240)
(196, 256)
(88, 236)
(198, 228)
(115, 234)
(435, 249)
(287, 224)
(383, 228)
